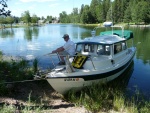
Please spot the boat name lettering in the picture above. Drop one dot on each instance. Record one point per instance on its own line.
(71, 79)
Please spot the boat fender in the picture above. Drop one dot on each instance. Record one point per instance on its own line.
(79, 61)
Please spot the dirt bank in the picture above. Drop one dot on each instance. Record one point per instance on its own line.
(38, 94)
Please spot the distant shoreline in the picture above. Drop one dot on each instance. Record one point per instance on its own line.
(140, 26)
(101, 24)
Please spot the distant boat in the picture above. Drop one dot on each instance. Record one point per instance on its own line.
(98, 59)
(107, 24)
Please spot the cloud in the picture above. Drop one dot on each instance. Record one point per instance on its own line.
(37, 0)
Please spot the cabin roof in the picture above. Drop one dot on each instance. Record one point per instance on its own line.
(104, 39)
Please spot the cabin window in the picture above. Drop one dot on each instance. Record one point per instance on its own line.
(117, 48)
(79, 48)
(124, 47)
(88, 48)
(100, 50)
(103, 49)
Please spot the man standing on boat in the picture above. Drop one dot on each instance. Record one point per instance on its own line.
(67, 49)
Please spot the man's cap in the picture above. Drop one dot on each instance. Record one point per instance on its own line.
(65, 36)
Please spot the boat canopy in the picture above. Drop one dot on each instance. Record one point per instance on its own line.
(127, 34)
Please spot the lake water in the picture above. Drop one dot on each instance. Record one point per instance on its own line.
(35, 42)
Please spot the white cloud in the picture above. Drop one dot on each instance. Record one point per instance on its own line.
(37, 0)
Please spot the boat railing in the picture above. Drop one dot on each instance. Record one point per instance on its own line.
(56, 54)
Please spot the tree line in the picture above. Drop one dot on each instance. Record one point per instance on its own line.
(25, 18)
(7, 18)
(127, 11)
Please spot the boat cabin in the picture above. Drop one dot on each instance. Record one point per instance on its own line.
(102, 45)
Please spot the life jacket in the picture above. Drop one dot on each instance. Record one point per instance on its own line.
(79, 60)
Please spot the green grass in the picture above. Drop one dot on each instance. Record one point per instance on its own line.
(7, 109)
(12, 71)
(109, 97)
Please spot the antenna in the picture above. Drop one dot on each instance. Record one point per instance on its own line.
(112, 17)
(73, 12)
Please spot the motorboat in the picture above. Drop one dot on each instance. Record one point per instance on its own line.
(99, 59)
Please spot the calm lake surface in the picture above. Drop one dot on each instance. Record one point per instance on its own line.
(36, 42)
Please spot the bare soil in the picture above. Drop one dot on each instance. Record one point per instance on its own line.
(38, 94)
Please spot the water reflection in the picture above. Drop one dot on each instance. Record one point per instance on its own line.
(7, 33)
(31, 32)
(123, 80)
(143, 49)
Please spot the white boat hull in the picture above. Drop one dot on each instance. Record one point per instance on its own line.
(63, 85)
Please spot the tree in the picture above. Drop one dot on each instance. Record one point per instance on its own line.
(3, 11)
(42, 18)
(105, 9)
(16, 19)
(93, 8)
(85, 17)
(10, 20)
(74, 17)
(109, 15)
(117, 11)
(26, 17)
(34, 18)
(127, 15)
(80, 12)
(64, 17)
(99, 12)
(144, 12)
(49, 19)
(2, 21)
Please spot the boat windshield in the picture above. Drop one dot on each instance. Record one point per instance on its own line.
(85, 48)
(79, 48)
(89, 48)
(93, 48)
(103, 49)
(120, 46)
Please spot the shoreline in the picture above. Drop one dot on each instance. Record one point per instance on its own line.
(98, 24)
(146, 26)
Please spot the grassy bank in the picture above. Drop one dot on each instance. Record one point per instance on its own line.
(14, 69)
(112, 97)
(101, 98)
(105, 98)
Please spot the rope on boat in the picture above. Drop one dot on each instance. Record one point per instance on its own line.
(21, 81)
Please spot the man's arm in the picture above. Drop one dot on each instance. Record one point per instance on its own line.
(58, 49)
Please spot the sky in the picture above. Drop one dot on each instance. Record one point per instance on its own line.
(44, 7)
